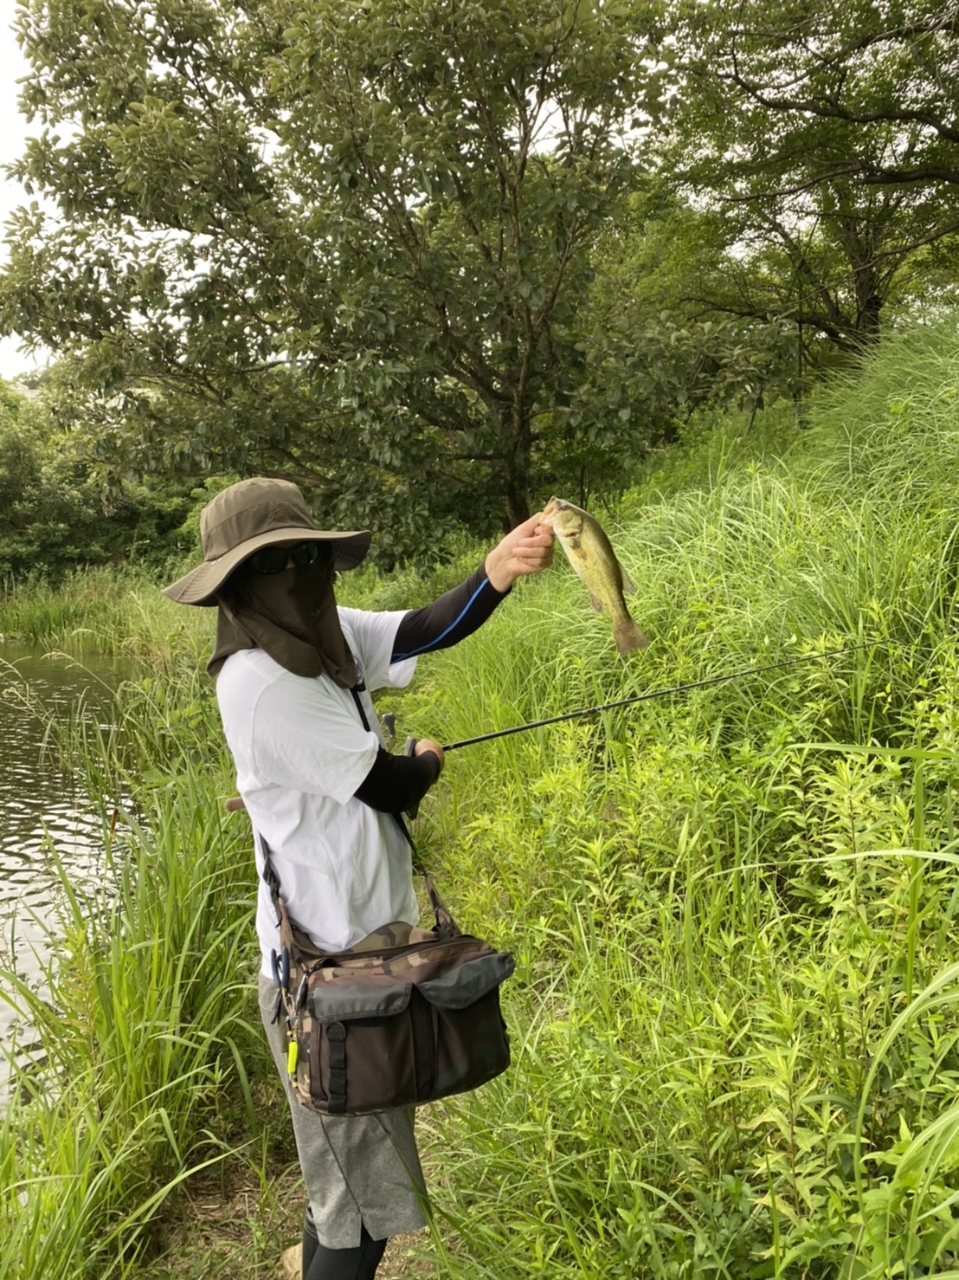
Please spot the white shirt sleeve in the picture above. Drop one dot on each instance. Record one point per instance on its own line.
(371, 637)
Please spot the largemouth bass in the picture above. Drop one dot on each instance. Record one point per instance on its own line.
(590, 553)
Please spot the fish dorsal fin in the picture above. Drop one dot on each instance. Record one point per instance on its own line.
(628, 588)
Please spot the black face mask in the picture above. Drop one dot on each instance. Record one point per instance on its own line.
(291, 615)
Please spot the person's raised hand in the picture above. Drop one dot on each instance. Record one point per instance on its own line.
(526, 549)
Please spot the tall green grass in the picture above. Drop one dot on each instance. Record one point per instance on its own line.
(734, 1021)
(143, 1012)
(102, 610)
(733, 912)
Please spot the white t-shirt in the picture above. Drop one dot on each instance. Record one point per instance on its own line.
(301, 751)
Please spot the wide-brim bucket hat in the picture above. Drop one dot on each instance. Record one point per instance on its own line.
(249, 515)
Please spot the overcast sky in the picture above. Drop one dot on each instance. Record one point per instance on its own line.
(13, 130)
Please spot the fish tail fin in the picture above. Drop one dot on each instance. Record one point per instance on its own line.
(628, 636)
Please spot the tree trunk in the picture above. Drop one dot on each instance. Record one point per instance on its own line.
(870, 310)
(517, 500)
(516, 479)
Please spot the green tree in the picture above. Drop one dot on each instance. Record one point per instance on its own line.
(342, 241)
(826, 136)
(887, 66)
(656, 347)
(53, 513)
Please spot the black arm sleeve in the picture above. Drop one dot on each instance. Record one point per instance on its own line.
(397, 783)
(451, 618)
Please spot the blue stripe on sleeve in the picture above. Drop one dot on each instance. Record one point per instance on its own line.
(399, 657)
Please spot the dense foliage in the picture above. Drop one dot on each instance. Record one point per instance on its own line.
(827, 135)
(433, 260)
(54, 512)
(367, 267)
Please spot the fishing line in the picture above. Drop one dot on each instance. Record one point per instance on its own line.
(665, 693)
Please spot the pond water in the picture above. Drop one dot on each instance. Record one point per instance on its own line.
(41, 807)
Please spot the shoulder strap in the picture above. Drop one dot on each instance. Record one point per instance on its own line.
(292, 940)
(446, 926)
(297, 942)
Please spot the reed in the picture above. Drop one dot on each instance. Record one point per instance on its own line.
(102, 610)
(144, 1010)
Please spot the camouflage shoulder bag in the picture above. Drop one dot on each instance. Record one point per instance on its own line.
(406, 1016)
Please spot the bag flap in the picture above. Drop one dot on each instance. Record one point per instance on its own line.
(341, 1001)
(468, 982)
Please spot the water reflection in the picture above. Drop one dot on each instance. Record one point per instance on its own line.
(41, 806)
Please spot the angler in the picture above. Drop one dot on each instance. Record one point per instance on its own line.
(294, 672)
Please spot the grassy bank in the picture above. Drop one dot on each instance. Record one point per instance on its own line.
(143, 1012)
(734, 1015)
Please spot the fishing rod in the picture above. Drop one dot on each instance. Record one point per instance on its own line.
(389, 719)
(665, 693)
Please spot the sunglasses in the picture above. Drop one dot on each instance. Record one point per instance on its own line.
(275, 559)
